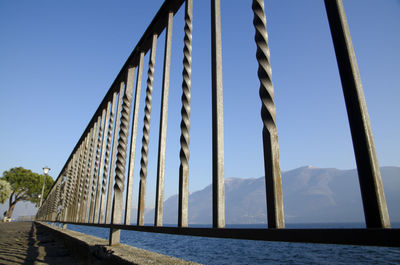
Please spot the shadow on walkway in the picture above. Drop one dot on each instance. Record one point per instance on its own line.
(24, 243)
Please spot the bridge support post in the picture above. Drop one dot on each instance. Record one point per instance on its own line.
(373, 197)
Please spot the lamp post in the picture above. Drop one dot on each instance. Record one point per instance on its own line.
(45, 171)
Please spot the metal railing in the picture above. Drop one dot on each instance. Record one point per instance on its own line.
(90, 187)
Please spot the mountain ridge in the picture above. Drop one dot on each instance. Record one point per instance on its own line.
(310, 195)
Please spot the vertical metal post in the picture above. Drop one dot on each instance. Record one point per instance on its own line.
(121, 157)
(185, 123)
(217, 118)
(162, 140)
(273, 180)
(373, 196)
(106, 160)
(146, 132)
(131, 165)
(113, 153)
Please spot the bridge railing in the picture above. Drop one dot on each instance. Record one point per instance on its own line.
(91, 185)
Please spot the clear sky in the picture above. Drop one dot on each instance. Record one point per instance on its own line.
(58, 59)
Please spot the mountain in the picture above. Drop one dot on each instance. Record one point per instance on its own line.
(310, 195)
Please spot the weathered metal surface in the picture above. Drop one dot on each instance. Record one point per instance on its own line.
(121, 154)
(217, 118)
(131, 166)
(162, 140)
(107, 159)
(113, 153)
(268, 114)
(373, 196)
(146, 132)
(185, 123)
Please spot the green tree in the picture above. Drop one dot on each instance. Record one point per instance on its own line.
(5, 190)
(25, 186)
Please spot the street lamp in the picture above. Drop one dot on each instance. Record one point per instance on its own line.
(45, 171)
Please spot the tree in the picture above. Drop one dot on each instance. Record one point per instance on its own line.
(5, 190)
(25, 186)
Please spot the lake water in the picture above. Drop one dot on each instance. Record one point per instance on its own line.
(231, 251)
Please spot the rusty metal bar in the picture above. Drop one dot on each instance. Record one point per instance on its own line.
(107, 159)
(217, 118)
(131, 166)
(268, 114)
(146, 132)
(162, 140)
(185, 123)
(113, 154)
(121, 156)
(373, 196)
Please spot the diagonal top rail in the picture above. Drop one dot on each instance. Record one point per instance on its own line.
(156, 26)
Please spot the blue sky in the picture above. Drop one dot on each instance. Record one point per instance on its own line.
(58, 59)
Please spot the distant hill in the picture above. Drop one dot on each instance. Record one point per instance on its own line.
(311, 195)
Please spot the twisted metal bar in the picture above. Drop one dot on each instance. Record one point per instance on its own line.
(76, 183)
(146, 132)
(88, 173)
(73, 181)
(185, 123)
(113, 153)
(67, 191)
(79, 178)
(99, 182)
(57, 200)
(84, 175)
(82, 159)
(121, 156)
(96, 167)
(123, 136)
(131, 165)
(268, 115)
(107, 158)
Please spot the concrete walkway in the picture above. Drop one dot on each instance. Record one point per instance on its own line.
(24, 243)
